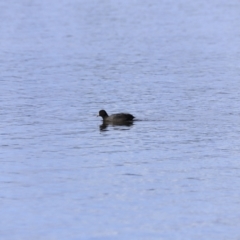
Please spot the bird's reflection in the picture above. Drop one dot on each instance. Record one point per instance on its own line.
(104, 125)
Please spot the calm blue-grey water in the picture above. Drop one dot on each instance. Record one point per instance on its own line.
(174, 174)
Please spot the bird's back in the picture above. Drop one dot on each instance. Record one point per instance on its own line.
(121, 117)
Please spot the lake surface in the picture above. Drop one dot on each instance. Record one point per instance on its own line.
(173, 174)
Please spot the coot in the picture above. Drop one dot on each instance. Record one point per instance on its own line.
(118, 117)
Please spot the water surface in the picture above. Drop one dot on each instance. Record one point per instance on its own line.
(174, 174)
